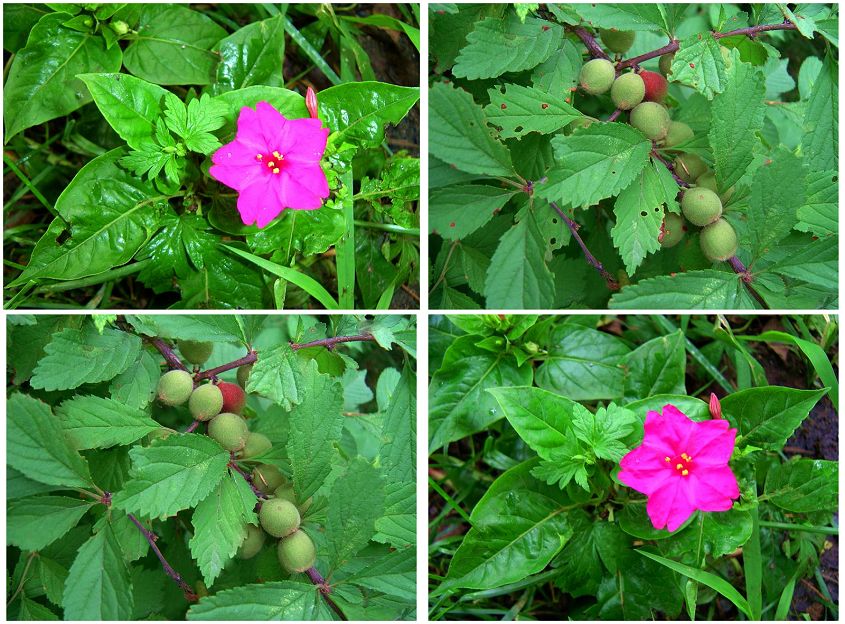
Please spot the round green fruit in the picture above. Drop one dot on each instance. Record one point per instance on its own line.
(652, 119)
(678, 133)
(229, 430)
(278, 517)
(701, 206)
(597, 76)
(297, 552)
(196, 352)
(665, 63)
(708, 180)
(205, 402)
(253, 541)
(256, 444)
(619, 41)
(267, 478)
(627, 91)
(119, 27)
(175, 387)
(243, 375)
(718, 240)
(688, 167)
(672, 230)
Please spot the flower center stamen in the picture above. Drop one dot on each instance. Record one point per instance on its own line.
(681, 463)
(273, 162)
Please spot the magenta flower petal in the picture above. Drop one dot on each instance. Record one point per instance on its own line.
(669, 506)
(715, 493)
(258, 205)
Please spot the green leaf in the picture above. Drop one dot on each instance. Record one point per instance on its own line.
(359, 111)
(708, 535)
(130, 105)
(458, 403)
(98, 586)
(398, 524)
(398, 450)
(309, 232)
(173, 46)
(693, 290)
(518, 277)
(33, 523)
(78, 356)
(36, 445)
(583, 364)
(804, 485)
(316, 424)
(565, 463)
(219, 523)
(392, 573)
(595, 163)
(19, 485)
(357, 502)
(280, 376)
(603, 430)
(251, 56)
(542, 419)
(623, 16)
(519, 110)
(171, 475)
(457, 211)
(111, 215)
(196, 121)
(820, 141)
(31, 610)
(655, 367)
(200, 327)
(136, 386)
(819, 214)
(560, 72)
(459, 135)
(498, 45)
(766, 417)
(578, 563)
(698, 63)
(42, 82)
(96, 422)
(280, 601)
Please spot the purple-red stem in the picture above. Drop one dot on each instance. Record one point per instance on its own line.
(329, 343)
(315, 577)
(612, 284)
(615, 115)
(151, 539)
(744, 274)
(670, 167)
(591, 43)
(167, 352)
(249, 358)
(247, 478)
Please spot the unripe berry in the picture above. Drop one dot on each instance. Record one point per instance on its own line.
(708, 180)
(597, 76)
(617, 40)
(718, 240)
(196, 352)
(655, 86)
(205, 402)
(297, 552)
(688, 167)
(229, 430)
(119, 27)
(652, 119)
(234, 398)
(278, 517)
(267, 478)
(253, 541)
(672, 230)
(175, 387)
(665, 63)
(256, 444)
(678, 133)
(627, 91)
(701, 206)
(243, 375)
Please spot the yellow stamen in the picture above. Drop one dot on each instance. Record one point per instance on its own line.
(258, 157)
(271, 164)
(684, 472)
(276, 170)
(277, 155)
(668, 459)
(679, 466)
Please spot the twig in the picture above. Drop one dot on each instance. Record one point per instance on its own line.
(329, 343)
(670, 167)
(592, 45)
(249, 358)
(315, 577)
(192, 427)
(247, 478)
(615, 115)
(612, 284)
(151, 539)
(167, 352)
(747, 278)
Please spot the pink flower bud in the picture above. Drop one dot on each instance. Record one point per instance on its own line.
(715, 406)
(311, 102)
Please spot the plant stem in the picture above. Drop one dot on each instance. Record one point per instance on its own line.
(388, 227)
(329, 343)
(247, 478)
(592, 45)
(151, 539)
(249, 358)
(747, 278)
(611, 282)
(315, 577)
(108, 276)
(29, 560)
(670, 167)
(823, 530)
(167, 352)
(615, 115)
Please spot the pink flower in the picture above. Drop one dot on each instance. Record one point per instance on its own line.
(681, 466)
(273, 163)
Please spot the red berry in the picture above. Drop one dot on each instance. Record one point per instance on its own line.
(655, 86)
(234, 398)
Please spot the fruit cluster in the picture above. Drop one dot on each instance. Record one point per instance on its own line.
(220, 404)
(642, 93)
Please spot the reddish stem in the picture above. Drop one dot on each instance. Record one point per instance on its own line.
(615, 115)
(612, 284)
(592, 45)
(167, 352)
(315, 577)
(329, 343)
(151, 539)
(247, 478)
(211, 373)
(670, 167)
(745, 274)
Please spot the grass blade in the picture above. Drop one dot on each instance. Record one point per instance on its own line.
(752, 562)
(345, 249)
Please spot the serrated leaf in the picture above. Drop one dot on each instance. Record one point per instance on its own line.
(201, 327)
(136, 386)
(294, 601)
(33, 523)
(519, 110)
(37, 447)
(457, 211)
(693, 290)
(95, 422)
(819, 214)
(698, 63)
(604, 430)
(821, 121)
(31, 610)
(398, 524)
(624, 16)
(777, 192)
(171, 475)
(559, 74)
(657, 366)
(279, 375)
(357, 502)
(391, 573)
(398, 450)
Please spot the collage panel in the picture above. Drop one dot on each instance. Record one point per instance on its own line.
(638, 467)
(211, 467)
(633, 156)
(237, 156)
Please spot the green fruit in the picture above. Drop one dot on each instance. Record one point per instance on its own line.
(256, 444)
(267, 478)
(708, 180)
(243, 375)
(297, 552)
(597, 76)
(175, 387)
(673, 230)
(119, 27)
(627, 91)
(718, 240)
(678, 133)
(252, 543)
(688, 167)
(205, 402)
(229, 430)
(617, 40)
(701, 206)
(285, 492)
(278, 517)
(652, 119)
(665, 63)
(196, 352)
